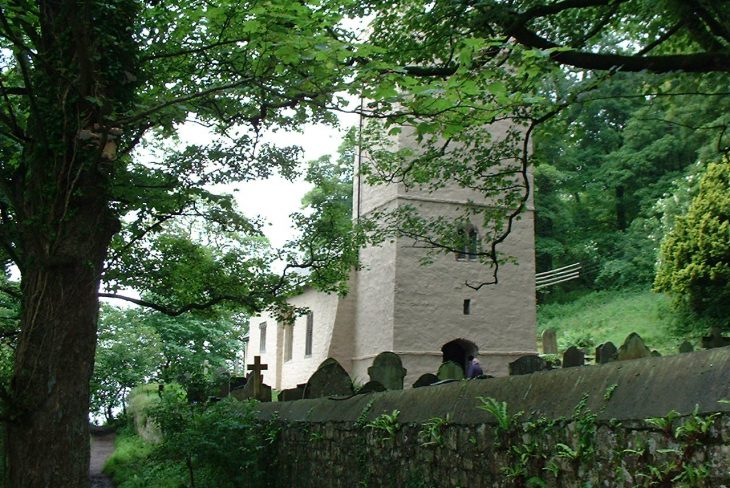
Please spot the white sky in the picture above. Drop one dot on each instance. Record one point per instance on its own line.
(275, 198)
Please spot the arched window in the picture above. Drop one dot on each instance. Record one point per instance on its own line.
(468, 243)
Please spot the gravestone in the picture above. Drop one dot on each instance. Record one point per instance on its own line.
(715, 339)
(262, 393)
(330, 379)
(388, 370)
(526, 365)
(573, 357)
(450, 371)
(686, 346)
(426, 379)
(371, 387)
(292, 394)
(633, 348)
(606, 352)
(549, 341)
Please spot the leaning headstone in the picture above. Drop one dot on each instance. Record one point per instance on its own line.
(573, 357)
(371, 387)
(248, 392)
(633, 348)
(388, 370)
(330, 379)
(606, 352)
(450, 371)
(527, 365)
(549, 342)
(292, 394)
(426, 379)
(715, 339)
(686, 346)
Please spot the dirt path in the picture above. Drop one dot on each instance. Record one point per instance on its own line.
(102, 447)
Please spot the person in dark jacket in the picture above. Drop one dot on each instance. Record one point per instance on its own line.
(474, 369)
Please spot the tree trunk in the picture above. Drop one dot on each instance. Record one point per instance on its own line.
(48, 441)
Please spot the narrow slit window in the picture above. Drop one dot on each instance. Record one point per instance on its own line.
(262, 337)
(310, 332)
(467, 306)
(288, 341)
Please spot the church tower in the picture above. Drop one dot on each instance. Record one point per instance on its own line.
(427, 314)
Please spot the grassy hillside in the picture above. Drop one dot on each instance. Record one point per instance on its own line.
(610, 316)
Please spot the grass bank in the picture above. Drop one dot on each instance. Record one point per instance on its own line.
(610, 316)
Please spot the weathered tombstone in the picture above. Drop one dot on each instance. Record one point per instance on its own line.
(573, 357)
(388, 370)
(549, 341)
(330, 379)
(371, 387)
(526, 365)
(606, 352)
(249, 392)
(449, 370)
(633, 348)
(425, 380)
(715, 339)
(686, 346)
(292, 394)
(256, 380)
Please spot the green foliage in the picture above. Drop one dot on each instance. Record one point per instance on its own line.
(135, 465)
(219, 445)
(603, 164)
(611, 315)
(127, 354)
(386, 424)
(432, 431)
(695, 255)
(135, 346)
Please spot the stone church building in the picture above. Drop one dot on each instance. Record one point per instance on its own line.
(425, 314)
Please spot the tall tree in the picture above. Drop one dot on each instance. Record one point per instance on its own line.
(695, 255)
(82, 82)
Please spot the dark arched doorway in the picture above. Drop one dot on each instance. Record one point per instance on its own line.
(458, 351)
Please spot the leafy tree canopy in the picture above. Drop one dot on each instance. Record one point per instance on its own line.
(695, 255)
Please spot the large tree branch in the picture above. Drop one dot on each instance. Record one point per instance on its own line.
(174, 312)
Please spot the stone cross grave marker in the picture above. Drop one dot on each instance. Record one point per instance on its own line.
(606, 352)
(330, 379)
(573, 357)
(257, 378)
(388, 370)
(633, 348)
(527, 364)
(450, 371)
(549, 341)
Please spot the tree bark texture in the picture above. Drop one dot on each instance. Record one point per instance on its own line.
(64, 223)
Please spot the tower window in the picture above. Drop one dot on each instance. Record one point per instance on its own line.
(468, 243)
(262, 337)
(310, 332)
(467, 306)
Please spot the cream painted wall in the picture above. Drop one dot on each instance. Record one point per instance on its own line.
(283, 374)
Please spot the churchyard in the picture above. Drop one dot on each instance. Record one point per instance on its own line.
(614, 416)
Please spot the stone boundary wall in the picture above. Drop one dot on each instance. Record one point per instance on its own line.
(579, 425)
